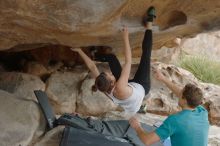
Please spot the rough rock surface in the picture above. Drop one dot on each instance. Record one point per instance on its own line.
(203, 44)
(214, 136)
(62, 89)
(52, 137)
(21, 122)
(21, 84)
(95, 103)
(71, 92)
(33, 24)
(58, 25)
(162, 101)
(212, 100)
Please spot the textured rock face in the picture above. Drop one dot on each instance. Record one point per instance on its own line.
(52, 137)
(20, 84)
(20, 122)
(213, 102)
(32, 24)
(162, 101)
(71, 92)
(62, 89)
(95, 103)
(203, 44)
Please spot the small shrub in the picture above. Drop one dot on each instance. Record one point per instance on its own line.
(205, 69)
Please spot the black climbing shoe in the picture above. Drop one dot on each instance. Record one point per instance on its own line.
(151, 12)
(149, 16)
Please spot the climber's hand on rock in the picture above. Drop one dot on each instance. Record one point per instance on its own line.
(75, 49)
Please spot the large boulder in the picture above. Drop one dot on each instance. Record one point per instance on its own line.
(204, 44)
(212, 101)
(71, 92)
(21, 84)
(162, 101)
(52, 137)
(214, 136)
(21, 122)
(93, 103)
(62, 89)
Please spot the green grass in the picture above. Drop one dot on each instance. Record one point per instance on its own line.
(205, 69)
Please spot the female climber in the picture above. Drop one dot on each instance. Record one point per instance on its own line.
(116, 85)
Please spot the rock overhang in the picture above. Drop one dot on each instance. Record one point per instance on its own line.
(97, 22)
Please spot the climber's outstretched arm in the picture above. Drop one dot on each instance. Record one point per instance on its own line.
(89, 63)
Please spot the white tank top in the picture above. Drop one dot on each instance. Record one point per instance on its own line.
(133, 103)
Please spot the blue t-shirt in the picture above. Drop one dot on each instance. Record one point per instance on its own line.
(186, 128)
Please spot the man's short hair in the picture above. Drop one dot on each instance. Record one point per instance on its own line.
(193, 95)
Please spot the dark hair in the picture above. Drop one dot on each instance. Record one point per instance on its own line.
(193, 95)
(101, 83)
